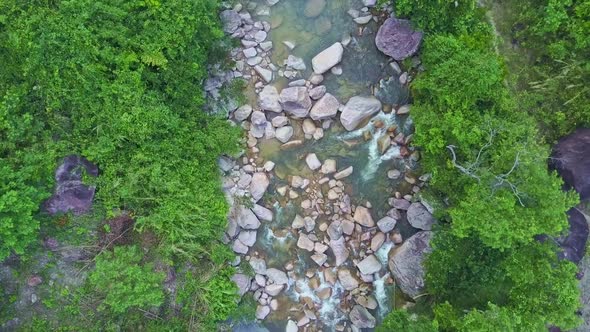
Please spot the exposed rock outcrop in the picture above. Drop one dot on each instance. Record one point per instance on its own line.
(406, 263)
(397, 39)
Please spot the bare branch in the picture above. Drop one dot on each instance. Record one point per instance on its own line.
(466, 171)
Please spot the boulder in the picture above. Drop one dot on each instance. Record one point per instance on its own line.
(344, 173)
(71, 194)
(362, 216)
(296, 63)
(328, 58)
(329, 166)
(262, 213)
(325, 108)
(361, 318)
(245, 217)
(284, 134)
(573, 244)
(274, 289)
(419, 217)
(295, 101)
(571, 159)
(312, 161)
(243, 283)
(358, 109)
(262, 311)
(268, 99)
(319, 258)
(231, 21)
(339, 250)
(242, 113)
(248, 237)
(266, 74)
(386, 224)
(347, 280)
(369, 265)
(258, 185)
(406, 263)
(258, 265)
(397, 39)
(240, 248)
(304, 242)
(317, 92)
(377, 241)
(277, 276)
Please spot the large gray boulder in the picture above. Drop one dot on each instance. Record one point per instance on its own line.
(358, 109)
(71, 194)
(258, 185)
(405, 263)
(361, 317)
(244, 217)
(397, 39)
(295, 101)
(231, 20)
(243, 283)
(325, 108)
(268, 99)
(328, 58)
(571, 159)
(419, 217)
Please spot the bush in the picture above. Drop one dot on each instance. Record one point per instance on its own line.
(125, 282)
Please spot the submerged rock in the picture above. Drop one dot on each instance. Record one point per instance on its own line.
(358, 109)
(328, 58)
(406, 263)
(313, 8)
(397, 39)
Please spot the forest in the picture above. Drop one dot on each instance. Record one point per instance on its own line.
(121, 83)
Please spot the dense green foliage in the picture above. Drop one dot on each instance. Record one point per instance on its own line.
(484, 154)
(440, 16)
(487, 271)
(119, 82)
(401, 320)
(554, 83)
(125, 282)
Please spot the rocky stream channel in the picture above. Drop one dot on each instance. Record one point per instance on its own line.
(326, 212)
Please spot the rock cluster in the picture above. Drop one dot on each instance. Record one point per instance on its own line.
(347, 244)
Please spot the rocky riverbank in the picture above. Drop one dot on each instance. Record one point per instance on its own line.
(341, 250)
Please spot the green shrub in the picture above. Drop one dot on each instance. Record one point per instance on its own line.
(125, 282)
(401, 320)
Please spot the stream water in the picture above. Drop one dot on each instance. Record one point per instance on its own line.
(364, 71)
